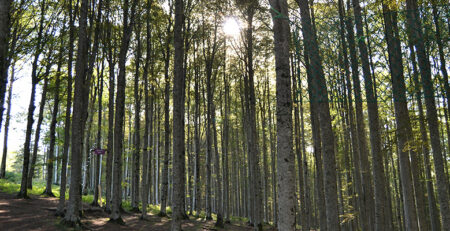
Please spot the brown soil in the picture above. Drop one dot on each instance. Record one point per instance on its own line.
(38, 213)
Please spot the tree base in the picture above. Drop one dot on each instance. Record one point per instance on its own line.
(60, 213)
(219, 224)
(118, 221)
(48, 193)
(135, 210)
(95, 203)
(72, 223)
(208, 218)
(227, 222)
(185, 216)
(22, 195)
(107, 210)
(162, 214)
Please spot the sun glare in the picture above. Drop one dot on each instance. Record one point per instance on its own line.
(231, 27)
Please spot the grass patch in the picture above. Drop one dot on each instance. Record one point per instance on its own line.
(38, 188)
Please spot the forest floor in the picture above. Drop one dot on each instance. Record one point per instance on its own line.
(38, 212)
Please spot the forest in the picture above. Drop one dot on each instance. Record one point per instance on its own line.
(225, 115)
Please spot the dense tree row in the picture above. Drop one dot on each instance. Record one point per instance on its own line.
(330, 115)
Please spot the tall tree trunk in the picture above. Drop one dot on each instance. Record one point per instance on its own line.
(128, 23)
(137, 126)
(360, 160)
(7, 121)
(88, 155)
(5, 28)
(432, 208)
(404, 131)
(320, 98)
(165, 170)
(67, 122)
(148, 108)
(110, 146)
(441, 53)
(252, 135)
(98, 158)
(225, 145)
(209, 56)
(414, 26)
(265, 177)
(31, 106)
(351, 116)
(196, 196)
(51, 156)
(179, 155)
(81, 101)
(37, 133)
(285, 154)
(273, 164)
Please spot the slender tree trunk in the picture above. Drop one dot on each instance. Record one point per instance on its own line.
(7, 121)
(441, 52)
(137, 127)
(128, 24)
(37, 134)
(375, 138)
(351, 117)
(404, 131)
(110, 151)
(225, 145)
(31, 106)
(87, 186)
(273, 164)
(97, 158)
(320, 98)
(285, 154)
(414, 26)
(165, 170)
(365, 191)
(67, 122)
(196, 196)
(81, 101)
(51, 157)
(179, 154)
(432, 208)
(5, 28)
(148, 129)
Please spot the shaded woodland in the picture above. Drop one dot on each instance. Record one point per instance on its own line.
(287, 115)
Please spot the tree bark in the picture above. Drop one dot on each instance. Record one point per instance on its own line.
(120, 111)
(81, 101)
(414, 26)
(98, 158)
(165, 170)
(110, 152)
(179, 155)
(31, 106)
(148, 108)
(67, 122)
(37, 134)
(51, 156)
(5, 28)
(285, 154)
(137, 127)
(7, 121)
(404, 131)
(320, 98)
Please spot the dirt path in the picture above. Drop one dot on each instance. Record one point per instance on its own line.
(38, 214)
